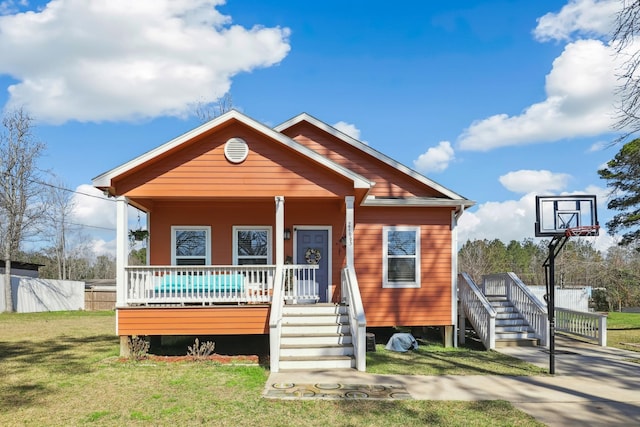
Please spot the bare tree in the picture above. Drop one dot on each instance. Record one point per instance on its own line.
(205, 112)
(625, 41)
(57, 228)
(20, 204)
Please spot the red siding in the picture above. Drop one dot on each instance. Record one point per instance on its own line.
(220, 320)
(389, 181)
(200, 169)
(428, 305)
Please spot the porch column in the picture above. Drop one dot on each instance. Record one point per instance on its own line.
(279, 230)
(348, 200)
(121, 249)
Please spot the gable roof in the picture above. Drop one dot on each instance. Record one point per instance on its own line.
(105, 180)
(456, 199)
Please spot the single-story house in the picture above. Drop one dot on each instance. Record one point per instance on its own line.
(293, 231)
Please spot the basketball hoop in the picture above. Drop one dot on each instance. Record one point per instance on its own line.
(586, 230)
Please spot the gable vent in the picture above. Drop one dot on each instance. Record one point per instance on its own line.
(236, 150)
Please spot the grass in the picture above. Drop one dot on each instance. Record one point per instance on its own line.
(623, 329)
(63, 369)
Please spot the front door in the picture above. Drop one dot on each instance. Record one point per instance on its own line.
(312, 247)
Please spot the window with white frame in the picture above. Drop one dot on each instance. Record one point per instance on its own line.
(251, 245)
(401, 257)
(190, 245)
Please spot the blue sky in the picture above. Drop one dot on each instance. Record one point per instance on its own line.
(496, 100)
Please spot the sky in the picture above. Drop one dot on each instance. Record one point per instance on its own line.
(498, 101)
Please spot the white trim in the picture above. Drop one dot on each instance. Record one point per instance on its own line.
(122, 254)
(385, 257)
(349, 230)
(432, 202)
(329, 230)
(454, 276)
(367, 149)
(267, 228)
(206, 228)
(104, 180)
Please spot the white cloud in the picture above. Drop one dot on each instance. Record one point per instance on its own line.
(435, 159)
(580, 102)
(96, 60)
(93, 209)
(349, 129)
(591, 18)
(540, 181)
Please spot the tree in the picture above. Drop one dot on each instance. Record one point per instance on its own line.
(624, 39)
(56, 220)
(623, 177)
(20, 204)
(205, 112)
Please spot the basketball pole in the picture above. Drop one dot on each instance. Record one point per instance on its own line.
(551, 306)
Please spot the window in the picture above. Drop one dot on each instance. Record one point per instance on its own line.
(401, 257)
(251, 245)
(190, 245)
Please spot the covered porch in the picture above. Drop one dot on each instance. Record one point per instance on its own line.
(301, 257)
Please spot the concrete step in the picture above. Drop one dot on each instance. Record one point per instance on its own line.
(522, 342)
(316, 350)
(513, 335)
(319, 362)
(311, 339)
(513, 328)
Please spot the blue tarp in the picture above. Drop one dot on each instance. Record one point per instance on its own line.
(402, 342)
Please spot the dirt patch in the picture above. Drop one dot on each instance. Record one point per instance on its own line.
(217, 358)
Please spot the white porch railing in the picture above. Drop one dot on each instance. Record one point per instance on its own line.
(533, 311)
(357, 320)
(592, 326)
(477, 308)
(300, 284)
(199, 284)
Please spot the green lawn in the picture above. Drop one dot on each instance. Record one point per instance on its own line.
(63, 369)
(623, 330)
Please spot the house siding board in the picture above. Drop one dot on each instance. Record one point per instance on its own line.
(389, 181)
(201, 170)
(428, 305)
(222, 320)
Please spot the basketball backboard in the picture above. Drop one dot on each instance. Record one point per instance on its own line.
(560, 215)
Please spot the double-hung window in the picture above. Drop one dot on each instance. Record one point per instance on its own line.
(190, 245)
(401, 257)
(251, 245)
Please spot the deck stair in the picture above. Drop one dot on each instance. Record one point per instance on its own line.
(512, 330)
(315, 336)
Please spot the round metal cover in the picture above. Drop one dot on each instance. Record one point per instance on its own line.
(236, 150)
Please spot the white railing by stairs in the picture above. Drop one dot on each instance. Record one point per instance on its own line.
(300, 284)
(591, 326)
(531, 309)
(275, 320)
(357, 320)
(478, 309)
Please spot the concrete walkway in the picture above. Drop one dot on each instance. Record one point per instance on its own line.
(594, 386)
